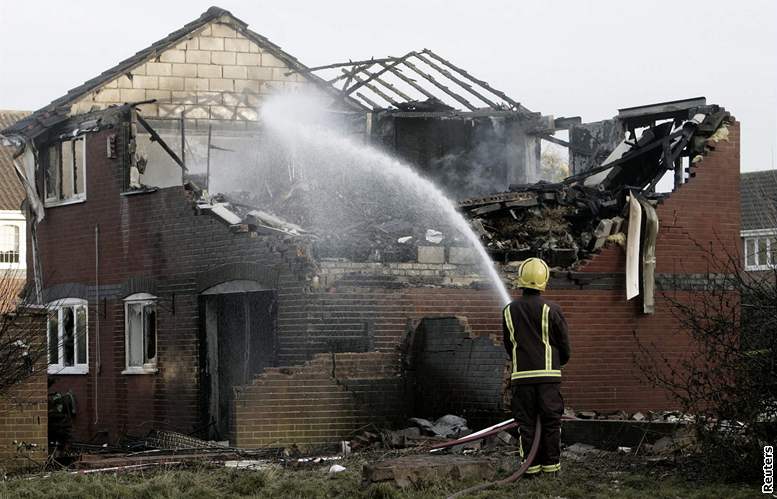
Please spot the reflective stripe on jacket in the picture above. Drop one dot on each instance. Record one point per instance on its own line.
(536, 339)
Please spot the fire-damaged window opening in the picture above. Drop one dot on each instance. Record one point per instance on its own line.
(169, 152)
(64, 166)
(761, 250)
(68, 337)
(140, 326)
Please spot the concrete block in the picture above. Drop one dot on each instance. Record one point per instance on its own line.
(247, 114)
(279, 74)
(123, 82)
(148, 110)
(237, 45)
(221, 84)
(238, 72)
(171, 83)
(259, 73)
(172, 55)
(170, 110)
(198, 56)
(246, 86)
(222, 113)
(162, 96)
(249, 59)
(196, 84)
(184, 70)
(247, 99)
(462, 256)
(147, 82)
(211, 43)
(431, 254)
(269, 60)
(208, 71)
(191, 44)
(223, 58)
(197, 112)
(254, 48)
(140, 70)
(223, 30)
(108, 95)
(132, 95)
(209, 98)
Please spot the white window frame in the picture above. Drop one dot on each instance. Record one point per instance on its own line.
(16, 218)
(147, 367)
(59, 367)
(756, 235)
(78, 198)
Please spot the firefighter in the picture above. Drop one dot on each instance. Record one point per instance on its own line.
(537, 341)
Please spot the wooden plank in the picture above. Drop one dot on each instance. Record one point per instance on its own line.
(431, 79)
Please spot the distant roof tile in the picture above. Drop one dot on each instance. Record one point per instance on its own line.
(759, 200)
(11, 189)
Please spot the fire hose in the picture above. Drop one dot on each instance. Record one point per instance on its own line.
(487, 432)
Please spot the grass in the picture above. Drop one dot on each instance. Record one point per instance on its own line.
(577, 480)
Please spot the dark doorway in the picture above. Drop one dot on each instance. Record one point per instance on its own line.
(240, 337)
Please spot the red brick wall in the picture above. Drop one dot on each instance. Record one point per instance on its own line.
(318, 403)
(23, 413)
(159, 237)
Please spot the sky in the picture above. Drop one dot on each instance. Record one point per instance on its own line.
(559, 57)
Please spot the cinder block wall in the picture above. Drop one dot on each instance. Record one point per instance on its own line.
(23, 410)
(216, 74)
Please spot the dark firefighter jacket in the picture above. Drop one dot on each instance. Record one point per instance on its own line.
(536, 339)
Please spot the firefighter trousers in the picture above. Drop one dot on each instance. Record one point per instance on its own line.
(529, 401)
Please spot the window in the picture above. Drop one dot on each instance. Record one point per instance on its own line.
(13, 244)
(67, 337)
(65, 172)
(9, 244)
(761, 251)
(140, 333)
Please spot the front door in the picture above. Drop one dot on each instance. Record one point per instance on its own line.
(241, 343)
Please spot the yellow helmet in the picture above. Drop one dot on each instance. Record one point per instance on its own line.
(534, 274)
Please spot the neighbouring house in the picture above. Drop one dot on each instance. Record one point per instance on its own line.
(13, 243)
(23, 422)
(178, 308)
(759, 219)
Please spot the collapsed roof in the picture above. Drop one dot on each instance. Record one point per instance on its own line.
(419, 82)
(567, 221)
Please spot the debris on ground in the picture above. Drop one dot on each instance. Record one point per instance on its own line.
(406, 471)
(336, 468)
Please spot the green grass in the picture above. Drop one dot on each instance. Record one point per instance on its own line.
(577, 480)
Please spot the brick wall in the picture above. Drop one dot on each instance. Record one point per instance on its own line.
(23, 410)
(320, 402)
(453, 372)
(156, 243)
(158, 240)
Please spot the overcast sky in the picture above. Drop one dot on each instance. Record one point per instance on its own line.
(565, 58)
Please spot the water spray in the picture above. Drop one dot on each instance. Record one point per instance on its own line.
(303, 120)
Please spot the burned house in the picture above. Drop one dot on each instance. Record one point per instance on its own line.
(179, 306)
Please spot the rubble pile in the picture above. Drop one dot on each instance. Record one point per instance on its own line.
(557, 222)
